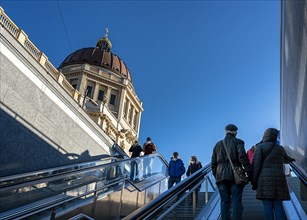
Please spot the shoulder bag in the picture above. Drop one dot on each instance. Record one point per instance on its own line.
(238, 172)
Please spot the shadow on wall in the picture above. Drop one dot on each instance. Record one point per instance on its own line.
(21, 150)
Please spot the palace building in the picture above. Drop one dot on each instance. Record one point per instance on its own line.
(79, 112)
(105, 84)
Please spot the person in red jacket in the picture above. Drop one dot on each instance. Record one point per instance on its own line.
(250, 153)
(149, 148)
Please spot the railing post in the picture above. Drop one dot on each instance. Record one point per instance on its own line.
(145, 196)
(206, 194)
(22, 36)
(43, 58)
(121, 200)
(94, 201)
(211, 184)
(60, 78)
(53, 213)
(137, 199)
(76, 95)
(194, 202)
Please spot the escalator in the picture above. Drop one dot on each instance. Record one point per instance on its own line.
(102, 190)
(179, 202)
(175, 203)
(93, 189)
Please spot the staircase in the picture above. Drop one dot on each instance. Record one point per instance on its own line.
(253, 208)
(185, 210)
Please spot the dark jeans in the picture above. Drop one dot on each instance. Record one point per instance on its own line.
(173, 180)
(134, 170)
(231, 193)
(273, 207)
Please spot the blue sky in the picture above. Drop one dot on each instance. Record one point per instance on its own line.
(196, 65)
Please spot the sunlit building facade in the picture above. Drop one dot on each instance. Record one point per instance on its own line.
(105, 84)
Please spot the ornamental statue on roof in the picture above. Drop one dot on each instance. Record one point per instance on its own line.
(104, 43)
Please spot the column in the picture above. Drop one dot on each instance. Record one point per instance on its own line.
(95, 92)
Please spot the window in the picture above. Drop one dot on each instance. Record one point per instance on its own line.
(112, 99)
(74, 83)
(126, 108)
(135, 120)
(101, 95)
(89, 90)
(130, 114)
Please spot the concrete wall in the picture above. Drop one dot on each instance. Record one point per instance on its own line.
(294, 81)
(41, 126)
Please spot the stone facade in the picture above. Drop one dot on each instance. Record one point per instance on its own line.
(49, 118)
(107, 94)
(42, 124)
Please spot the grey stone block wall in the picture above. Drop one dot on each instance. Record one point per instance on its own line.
(35, 133)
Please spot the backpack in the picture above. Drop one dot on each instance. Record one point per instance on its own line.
(148, 149)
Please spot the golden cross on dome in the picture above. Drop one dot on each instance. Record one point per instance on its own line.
(107, 33)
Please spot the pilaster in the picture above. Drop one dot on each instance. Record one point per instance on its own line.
(96, 90)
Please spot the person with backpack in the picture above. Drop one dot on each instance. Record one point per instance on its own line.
(268, 175)
(193, 167)
(175, 170)
(148, 148)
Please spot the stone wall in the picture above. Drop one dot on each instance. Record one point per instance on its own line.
(41, 125)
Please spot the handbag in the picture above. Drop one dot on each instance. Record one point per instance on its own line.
(239, 173)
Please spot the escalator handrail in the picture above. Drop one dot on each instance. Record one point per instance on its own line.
(54, 169)
(147, 185)
(119, 150)
(299, 173)
(44, 207)
(73, 172)
(179, 188)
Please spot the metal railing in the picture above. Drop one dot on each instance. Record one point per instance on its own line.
(293, 208)
(157, 206)
(23, 178)
(299, 173)
(49, 192)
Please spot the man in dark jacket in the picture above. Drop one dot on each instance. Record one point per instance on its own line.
(222, 171)
(268, 175)
(135, 151)
(175, 170)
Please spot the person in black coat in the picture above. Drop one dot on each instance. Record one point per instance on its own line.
(222, 171)
(268, 175)
(135, 151)
(193, 167)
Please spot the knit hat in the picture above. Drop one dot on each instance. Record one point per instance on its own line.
(231, 127)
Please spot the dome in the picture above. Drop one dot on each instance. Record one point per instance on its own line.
(100, 56)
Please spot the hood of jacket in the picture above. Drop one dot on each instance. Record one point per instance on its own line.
(174, 159)
(270, 135)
